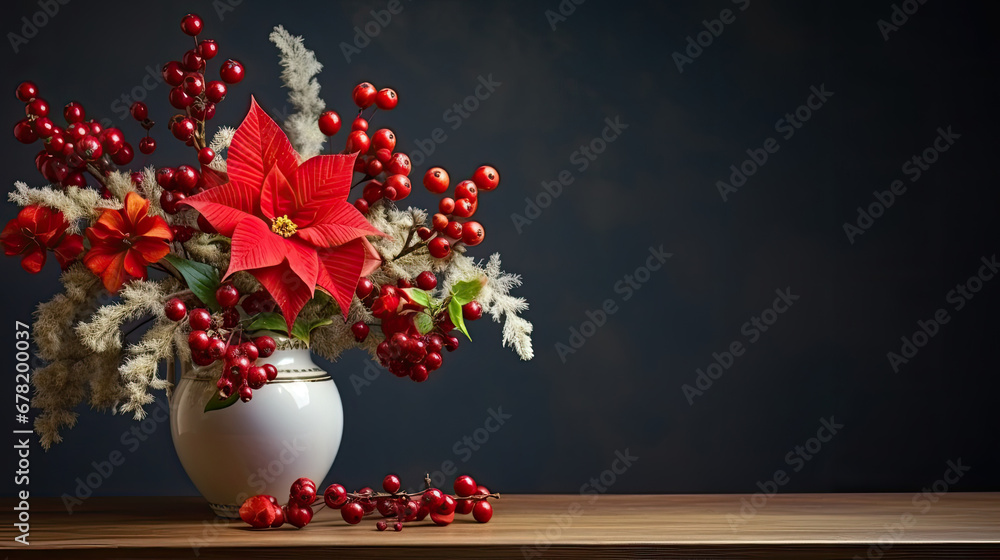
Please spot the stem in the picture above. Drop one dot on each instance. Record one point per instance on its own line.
(139, 324)
(407, 248)
(97, 174)
(363, 179)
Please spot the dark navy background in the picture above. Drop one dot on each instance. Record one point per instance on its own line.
(654, 185)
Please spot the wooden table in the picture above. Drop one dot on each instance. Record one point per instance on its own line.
(540, 526)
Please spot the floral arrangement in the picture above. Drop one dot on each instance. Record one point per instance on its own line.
(256, 236)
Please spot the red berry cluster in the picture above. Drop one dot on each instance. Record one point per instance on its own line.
(219, 338)
(448, 229)
(385, 172)
(261, 512)
(192, 92)
(406, 352)
(80, 146)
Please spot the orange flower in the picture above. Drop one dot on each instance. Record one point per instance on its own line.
(124, 242)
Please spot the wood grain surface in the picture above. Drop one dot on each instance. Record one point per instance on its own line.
(959, 525)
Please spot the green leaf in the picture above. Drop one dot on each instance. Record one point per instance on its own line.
(202, 279)
(419, 296)
(268, 321)
(302, 329)
(215, 403)
(455, 313)
(465, 291)
(424, 322)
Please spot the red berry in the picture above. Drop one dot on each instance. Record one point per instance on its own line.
(206, 155)
(193, 85)
(147, 145)
(139, 110)
(397, 527)
(482, 511)
(391, 483)
(373, 167)
(303, 490)
(352, 513)
(358, 141)
(419, 373)
(192, 61)
(381, 525)
(298, 515)
(26, 92)
(424, 233)
(230, 317)
(447, 506)
(198, 340)
(439, 247)
(362, 205)
(426, 280)
(466, 189)
(464, 507)
(38, 108)
(436, 180)
(365, 287)
(386, 99)
(256, 377)
(454, 230)
(439, 222)
(329, 123)
(432, 498)
(360, 123)
(465, 207)
(279, 516)
(77, 131)
(360, 330)
(271, 371)
(400, 184)
(208, 48)
(246, 393)
(186, 178)
(384, 139)
(398, 163)
(486, 178)
(231, 71)
(24, 132)
(335, 496)
(200, 319)
(227, 295)
(173, 73)
(73, 112)
(112, 139)
(191, 24)
(175, 310)
(89, 148)
(451, 343)
(265, 346)
(447, 205)
(249, 350)
(472, 311)
(184, 129)
(364, 95)
(465, 485)
(215, 91)
(432, 361)
(473, 233)
(383, 155)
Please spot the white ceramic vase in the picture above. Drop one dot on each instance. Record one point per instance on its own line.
(291, 428)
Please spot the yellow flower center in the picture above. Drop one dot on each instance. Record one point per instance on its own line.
(283, 226)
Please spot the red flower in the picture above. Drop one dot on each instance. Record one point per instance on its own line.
(291, 224)
(36, 229)
(124, 242)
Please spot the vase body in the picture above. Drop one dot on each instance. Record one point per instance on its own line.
(291, 428)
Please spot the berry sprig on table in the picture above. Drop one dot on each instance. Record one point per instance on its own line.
(393, 505)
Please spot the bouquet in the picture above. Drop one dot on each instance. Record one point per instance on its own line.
(259, 240)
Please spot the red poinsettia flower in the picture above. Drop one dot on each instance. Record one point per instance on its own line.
(291, 224)
(124, 242)
(37, 229)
